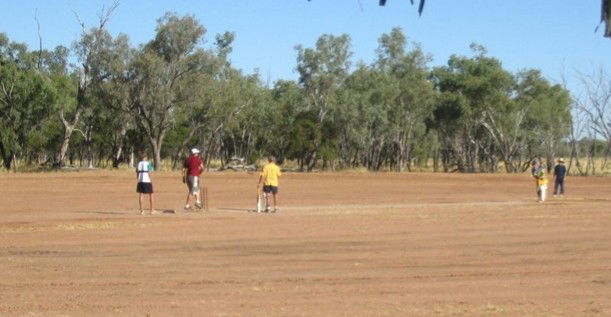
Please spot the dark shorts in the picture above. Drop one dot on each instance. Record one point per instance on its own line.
(144, 188)
(270, 189)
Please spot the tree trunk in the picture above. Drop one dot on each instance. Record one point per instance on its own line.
(312, 161)
(116, 159)
(14, 159)
(156, 153)
(64, 148)
(132, 161)
(88, 148)
(68, 130)
(399, 155)
(7, 157)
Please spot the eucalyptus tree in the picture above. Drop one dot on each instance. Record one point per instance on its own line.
(194, 119)
(104, 122)
(548, 115)
(114, 104)
(200, 121)
(25, 96)
(356, 117)
(366, 116)
(244, 103)
(322, 72)
(223, 114)
(54, 66)
(527, 122)
(286, 102)
(485, 112)
(51, 65)
(411, 94)
(92, 52)
(505, 125)
(305, 139)
(162, 74)
(470, 88)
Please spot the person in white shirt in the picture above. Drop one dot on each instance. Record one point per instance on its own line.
(145, 185)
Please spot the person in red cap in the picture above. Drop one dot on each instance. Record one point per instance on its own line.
(192, 169)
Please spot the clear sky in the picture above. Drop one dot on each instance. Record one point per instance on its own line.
(555, 36)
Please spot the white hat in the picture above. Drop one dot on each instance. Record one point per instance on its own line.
(194, 150)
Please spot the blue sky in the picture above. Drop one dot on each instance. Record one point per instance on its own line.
(555, 36)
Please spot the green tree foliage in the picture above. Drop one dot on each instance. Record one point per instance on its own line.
(409, 91)
(485, 113)
(305, 138)
(469, 88)
(162, 75)
(286, 103)
(25, 97)
(173, 93)
(547, 110)
(322, 72)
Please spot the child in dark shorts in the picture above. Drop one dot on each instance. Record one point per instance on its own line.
(269, 178)
(145, 185)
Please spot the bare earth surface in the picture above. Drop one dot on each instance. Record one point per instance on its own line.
(73, 244)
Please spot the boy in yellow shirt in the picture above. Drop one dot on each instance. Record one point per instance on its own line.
(538, 173)
(269, 178)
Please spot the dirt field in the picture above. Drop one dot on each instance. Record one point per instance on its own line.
(73, 244)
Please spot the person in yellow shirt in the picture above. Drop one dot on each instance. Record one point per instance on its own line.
(269, 177)
(538, 173)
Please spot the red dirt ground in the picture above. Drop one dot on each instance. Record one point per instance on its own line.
(73, 244)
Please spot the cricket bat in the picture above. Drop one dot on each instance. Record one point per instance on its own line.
(259, 201)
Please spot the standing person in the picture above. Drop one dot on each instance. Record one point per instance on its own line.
(192, 169)
(145, 185)
(559, 173)
(269, 178)
(538, 173)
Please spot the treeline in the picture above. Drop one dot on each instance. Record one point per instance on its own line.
(102, 99)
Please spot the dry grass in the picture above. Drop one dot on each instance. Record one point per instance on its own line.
(600, 167)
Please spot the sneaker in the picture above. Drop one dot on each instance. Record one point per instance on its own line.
(275, 210)
(187, 207)
(198, 205)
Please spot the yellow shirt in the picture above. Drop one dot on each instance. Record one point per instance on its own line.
(270, 174)
(541, 179)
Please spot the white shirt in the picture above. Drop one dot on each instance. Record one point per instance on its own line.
(143, 168)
